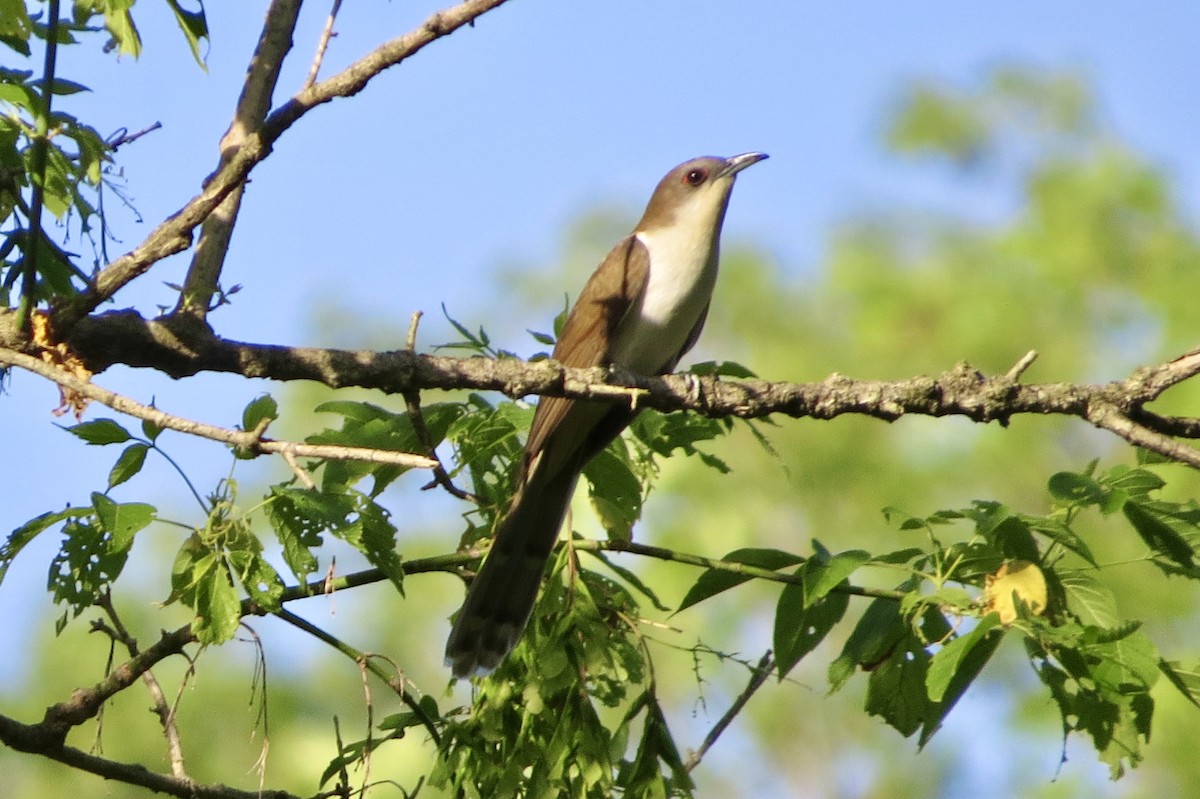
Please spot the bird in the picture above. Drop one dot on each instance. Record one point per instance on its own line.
(640, 311)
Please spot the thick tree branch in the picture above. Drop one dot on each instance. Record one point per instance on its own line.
(175, 233)
(32, 738)
(181, 348)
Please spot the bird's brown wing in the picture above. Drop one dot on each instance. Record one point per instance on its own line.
(586, 337)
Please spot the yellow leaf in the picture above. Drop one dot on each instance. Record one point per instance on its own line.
(1017, 579)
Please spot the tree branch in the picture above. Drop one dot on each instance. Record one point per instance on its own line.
(273, 45)
(164, 710)
(323, 44)
(248, 440)
(181, 349)
(32, 738)
(758, 677)
(175, 233)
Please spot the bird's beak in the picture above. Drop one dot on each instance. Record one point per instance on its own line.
(737, 163)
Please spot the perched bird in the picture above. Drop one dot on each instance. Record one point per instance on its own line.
(641, 310)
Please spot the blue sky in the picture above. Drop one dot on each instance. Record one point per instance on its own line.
(483, 149)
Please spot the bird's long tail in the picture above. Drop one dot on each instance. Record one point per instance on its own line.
(501, 597)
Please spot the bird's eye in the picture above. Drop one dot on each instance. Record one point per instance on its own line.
(696, 176)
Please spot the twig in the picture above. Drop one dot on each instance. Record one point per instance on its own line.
(412, 401)
(274, 42)
(301, 473)
(86, 702)
(410, 341)
(456, 561)
(1020, 366)
(123, 136)
(249, 440)
(164, 711)
(323, 44)
(758, 677)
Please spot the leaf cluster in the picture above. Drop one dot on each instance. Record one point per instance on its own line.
(48, 157)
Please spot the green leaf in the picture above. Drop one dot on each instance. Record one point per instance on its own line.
(373, 535)
(1127, 665)
(714, 581)
(259, 578)
(218, 611)
(298, 517)
(1090, 599)
(946, 663)
(128, 464)
(968, 669)
(15, 26)
(262, 409)
(194, 26)
(63, 87)
(20, 537)
(1186, 681)
(801, 625)
(100, 432)
(615, 491)
(1136, 482)
(122, 522)
(896, 689)
(85, 566)
(1061, 533)
(878, 632)
(821, 578)
(150, 430)
(119, 22)
(1157, 529)
(1070, 488)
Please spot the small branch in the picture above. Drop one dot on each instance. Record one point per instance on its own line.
(175, 233)
(1109, 418)
(164, 711)
(301, 473)
(249, 440)
(662, 553)
(85, 703)
(1180, 426)
(322, 44)
(124, 137)
(274, 42)
(457, 561)
(758, 677)
(412, 401)
(1020, 366)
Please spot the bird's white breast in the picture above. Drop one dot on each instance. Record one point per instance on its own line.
(683, 271)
